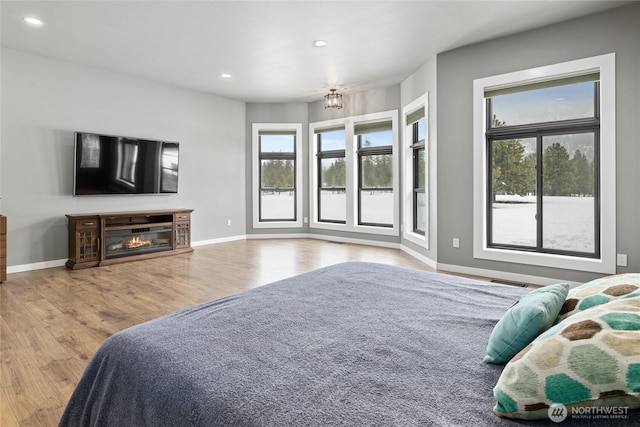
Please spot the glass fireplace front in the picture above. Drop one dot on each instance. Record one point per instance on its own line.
(137, 241)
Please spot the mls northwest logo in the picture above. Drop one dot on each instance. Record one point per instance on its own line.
(557, 412)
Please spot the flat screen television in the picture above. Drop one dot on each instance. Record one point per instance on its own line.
(106, 164)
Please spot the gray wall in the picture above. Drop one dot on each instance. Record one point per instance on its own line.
(616, 31)
(44, 101)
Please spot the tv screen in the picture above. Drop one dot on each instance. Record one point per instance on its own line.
(107, 164)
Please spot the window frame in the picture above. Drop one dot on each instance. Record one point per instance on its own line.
(256, 171)
(362, 153)
(410, 172)
(539, 131)
(417, 146)
(605, 261)
(328, 154)
(351, 158)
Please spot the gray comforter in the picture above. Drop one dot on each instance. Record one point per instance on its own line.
(354, 344)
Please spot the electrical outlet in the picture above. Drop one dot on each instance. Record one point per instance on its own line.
(306, 220)
(621, 260)
(228, 223)
(456, 242)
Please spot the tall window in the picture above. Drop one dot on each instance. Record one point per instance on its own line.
(278, 179)
(332, 175)
(375, 173)
(416, 121)
(544, 166)
(543, 154)
(415, 166)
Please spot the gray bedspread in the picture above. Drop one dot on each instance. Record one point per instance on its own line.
(355, 344)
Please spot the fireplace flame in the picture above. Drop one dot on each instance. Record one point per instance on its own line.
(137, 242)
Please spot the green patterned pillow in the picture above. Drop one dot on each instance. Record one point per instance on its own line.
(533, 314)
(600, 291)
(589, 359)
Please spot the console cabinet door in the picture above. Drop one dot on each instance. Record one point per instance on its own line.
(182, 230)
(85, 242)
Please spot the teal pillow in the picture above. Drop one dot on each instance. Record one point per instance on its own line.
(533, 314)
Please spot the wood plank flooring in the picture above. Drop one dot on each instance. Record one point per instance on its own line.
(53, 320)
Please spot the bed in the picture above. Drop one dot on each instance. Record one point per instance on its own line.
(352, 344)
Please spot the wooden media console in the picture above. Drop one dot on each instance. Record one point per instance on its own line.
(116, 237)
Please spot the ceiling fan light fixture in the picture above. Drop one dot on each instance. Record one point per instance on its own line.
(333, 100)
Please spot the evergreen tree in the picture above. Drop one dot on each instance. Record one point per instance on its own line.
(512, 173)
(557, 171)
(335, 175)
(277, 174)
(583, 171)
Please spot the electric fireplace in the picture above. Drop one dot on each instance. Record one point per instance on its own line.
(111, 238)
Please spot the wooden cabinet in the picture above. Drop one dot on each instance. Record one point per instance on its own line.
(182, 230)
(3, 248)
(84, 241)
(111, 238)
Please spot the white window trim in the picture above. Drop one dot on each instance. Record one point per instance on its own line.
(607, 262)
(407, 168)
(288, 127)
(351, 148)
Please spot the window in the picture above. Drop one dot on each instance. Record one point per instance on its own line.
(419, 201)
(547, 149)
(353, 176)
(415, 166)
(375, 174)
(332, 175)
(277, 176)
(543, 167)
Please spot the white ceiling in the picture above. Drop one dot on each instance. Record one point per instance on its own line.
(267, 45)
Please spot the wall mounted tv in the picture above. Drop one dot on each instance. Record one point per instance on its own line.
(107, 164)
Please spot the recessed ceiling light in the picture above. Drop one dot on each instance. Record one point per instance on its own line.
(33, 21)
(320, 43)
(226, 75)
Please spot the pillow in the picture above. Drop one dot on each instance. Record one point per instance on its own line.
(526, 319)
(600, 291)
(590, 359)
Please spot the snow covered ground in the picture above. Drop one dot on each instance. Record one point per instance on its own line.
(568, 221)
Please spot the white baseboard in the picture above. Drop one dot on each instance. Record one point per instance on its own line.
(277, 236)
(325, 238)
(35, 266)
(354, 241)
(220, 240)
(428, 261)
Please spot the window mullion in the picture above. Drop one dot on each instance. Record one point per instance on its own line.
(539, 193)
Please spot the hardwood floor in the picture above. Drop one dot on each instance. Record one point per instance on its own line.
(53, 320)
